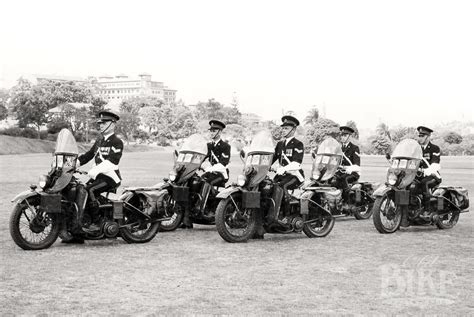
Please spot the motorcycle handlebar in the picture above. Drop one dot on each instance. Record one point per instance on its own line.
(81, 172)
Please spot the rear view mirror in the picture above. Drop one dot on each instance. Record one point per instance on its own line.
(313, 155)
(175, 155)
(388, 156)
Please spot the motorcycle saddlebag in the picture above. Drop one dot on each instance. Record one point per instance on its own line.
(250, 199)
(402, 197)
(181, 193)
(50, 203)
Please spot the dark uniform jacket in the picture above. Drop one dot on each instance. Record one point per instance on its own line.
(104, 149)
(294, 151)
(431, 153)
(352, 152)
(221, 151)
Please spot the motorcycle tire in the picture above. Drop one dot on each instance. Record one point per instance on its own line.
(138, 234)
(325, 224)
(176, 215)
(230, 217)
(380, 218)
(366, 213)
(448, 221)
(33, 226)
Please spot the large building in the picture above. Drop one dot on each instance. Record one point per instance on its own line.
(115, 89)
(121, 87)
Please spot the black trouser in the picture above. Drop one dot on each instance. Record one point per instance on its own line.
(342, 182)
(283, 183)
(95, 187)
(426, 183)
(210, 179)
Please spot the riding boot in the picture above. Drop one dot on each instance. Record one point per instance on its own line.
(205, 191)
(404, 222)
(259, 224)
(187, 223)
(274, 210)
(93, 208)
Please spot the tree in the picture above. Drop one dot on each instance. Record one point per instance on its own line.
(353, 125)
(318, 132)
(4, 98)
(400, 133)
(452, 138)
(380, 144)
(312, 117)
(382, 129)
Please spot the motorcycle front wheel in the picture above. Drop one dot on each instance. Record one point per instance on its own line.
(137, 228)
(170, 210)
(32, 229)
(234, 223)
(387, 215)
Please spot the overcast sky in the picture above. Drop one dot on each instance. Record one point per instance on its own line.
(400, 62)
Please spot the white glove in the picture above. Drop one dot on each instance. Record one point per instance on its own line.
(92, 174)
(208, 169)
(352, 168)
(281, 170)
(78, 163)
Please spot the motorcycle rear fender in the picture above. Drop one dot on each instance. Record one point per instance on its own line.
(227, 192)
(24, 195)
(381, 191)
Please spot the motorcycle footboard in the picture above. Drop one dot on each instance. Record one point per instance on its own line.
(402, 197)
(250, 199)
(50, 203)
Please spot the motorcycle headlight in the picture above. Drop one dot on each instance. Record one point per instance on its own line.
(241, 180)
(172, 176)
(392, 179)
(316, 174)
(42, 181)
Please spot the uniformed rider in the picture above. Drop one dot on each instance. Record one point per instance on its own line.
(350, 163)
(287, 161)
(105, 175)
(432, 154)
(216, 173)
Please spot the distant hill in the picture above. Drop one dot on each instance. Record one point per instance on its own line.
(19, 145)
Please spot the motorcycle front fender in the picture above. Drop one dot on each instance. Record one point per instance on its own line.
(227, 192)
(24, 195)
(381, 191)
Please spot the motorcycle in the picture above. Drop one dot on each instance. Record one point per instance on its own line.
(181, 193)
(325, 169)
(57, 207)
(401, 196)
(245, 206)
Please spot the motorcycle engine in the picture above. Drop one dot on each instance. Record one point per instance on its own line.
(111, 229)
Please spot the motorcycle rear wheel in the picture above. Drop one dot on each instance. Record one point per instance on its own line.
(386, 215)
(140, 230)
(366, 213)
(235, 224)
(320, 228)
(30, 231)
(448, 221)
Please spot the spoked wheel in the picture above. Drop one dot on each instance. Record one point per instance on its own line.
(387, 215)
(318, 223)
(234, 223)
(32, 229)
(171, 210)
(138, 229)
(365, 212)
(448, 221)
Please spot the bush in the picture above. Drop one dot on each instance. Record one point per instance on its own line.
(21, 132)
(56, 126)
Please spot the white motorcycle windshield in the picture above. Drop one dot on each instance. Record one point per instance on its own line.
(330, 146)
(195, 143)
(408, 148)
(66, 143)
(262, 142)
